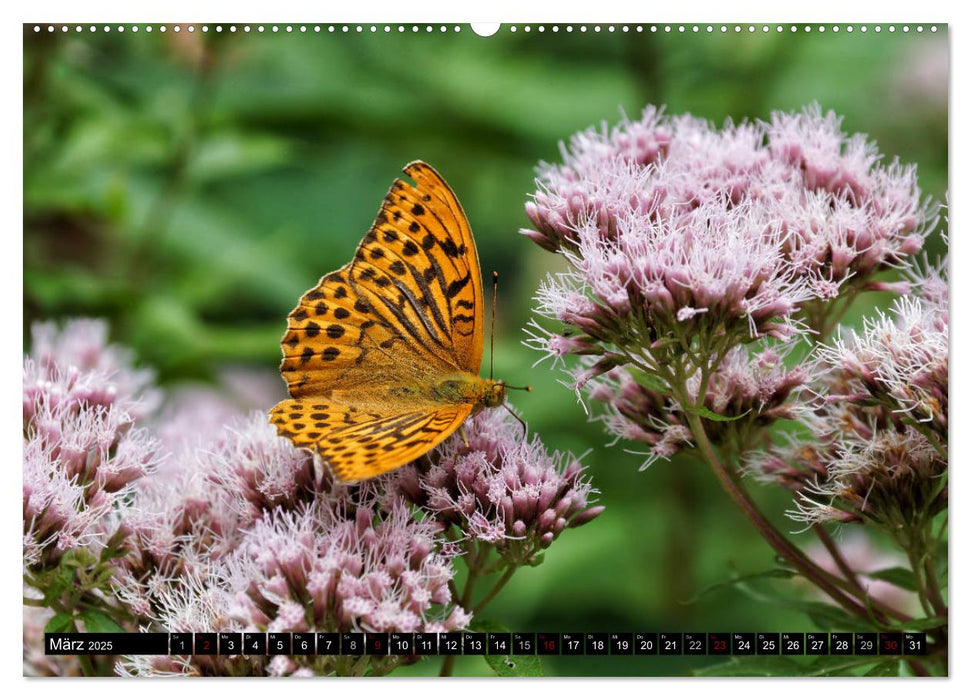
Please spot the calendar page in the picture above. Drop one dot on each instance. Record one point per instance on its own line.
(525, 349)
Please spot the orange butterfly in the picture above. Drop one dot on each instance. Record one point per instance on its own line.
(381, 358)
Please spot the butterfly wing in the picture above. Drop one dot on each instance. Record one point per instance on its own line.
(437, 225)
(410, 300)
(356, 441)
(365, 348)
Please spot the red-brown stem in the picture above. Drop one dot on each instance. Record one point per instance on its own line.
(769, 533)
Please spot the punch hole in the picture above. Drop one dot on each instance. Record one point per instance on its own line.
(485, 28)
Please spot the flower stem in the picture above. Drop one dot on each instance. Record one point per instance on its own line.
(850, 575)
(769, 533)
(507, 574)
(837, 556)
(475, 559)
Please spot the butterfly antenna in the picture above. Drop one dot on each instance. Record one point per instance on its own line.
(492, 335)
(516, 416)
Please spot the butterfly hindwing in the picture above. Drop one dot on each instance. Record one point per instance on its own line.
(358, 443)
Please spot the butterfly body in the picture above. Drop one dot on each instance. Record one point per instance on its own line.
(464, 387)
(381, 358)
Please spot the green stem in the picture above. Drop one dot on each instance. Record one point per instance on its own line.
(914, 556)
(475, 570)
(934, 594)
(478, 560)
(824, 325)
(480, 606)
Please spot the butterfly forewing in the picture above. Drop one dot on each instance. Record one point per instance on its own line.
(374, 337)
(434, 257)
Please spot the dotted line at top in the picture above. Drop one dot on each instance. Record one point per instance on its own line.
(541, 28)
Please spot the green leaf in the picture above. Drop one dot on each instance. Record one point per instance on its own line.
(783, 666)
(59, 623)
(65, 575)
(898, 576)
(648, 381)
(923, 624)
(890, 667)
(97, 621)
(711, 415)
(825, 616)
(508, 665)
(735, 582)
(768, 666)
(486, 626)
(515, 666)
(829, 617)
(836, 665)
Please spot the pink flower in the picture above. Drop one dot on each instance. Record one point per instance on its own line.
(668, 219)
(501, 489)
(879, 422)
(344, 562)
(745, 391)
(82, 455)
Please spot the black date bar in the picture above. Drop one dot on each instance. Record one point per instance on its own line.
(106, 643)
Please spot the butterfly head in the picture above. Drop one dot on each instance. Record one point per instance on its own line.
(494, 393)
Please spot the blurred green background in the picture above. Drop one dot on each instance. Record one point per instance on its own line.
(190, 187)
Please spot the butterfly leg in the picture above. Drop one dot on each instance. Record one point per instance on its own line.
(462, 433)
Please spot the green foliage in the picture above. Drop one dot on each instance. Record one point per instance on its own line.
(711, 415)
(789, 666)
(897, 575)
(97, 621)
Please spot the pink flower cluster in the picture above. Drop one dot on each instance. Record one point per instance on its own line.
(751, 391)
(344, 562)
(500, 488)
(235, 529)
(667, 221)
(82, 455)
(879, 421)
(823, 201)
(194, 510)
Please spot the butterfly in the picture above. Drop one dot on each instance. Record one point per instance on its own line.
(381, 358)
